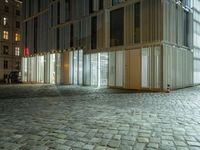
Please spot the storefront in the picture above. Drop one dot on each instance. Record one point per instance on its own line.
(129, 69)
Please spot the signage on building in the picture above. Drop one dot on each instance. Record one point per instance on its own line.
(26, 51)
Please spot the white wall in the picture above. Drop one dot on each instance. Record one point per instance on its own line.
(177, 67)
(151, 68)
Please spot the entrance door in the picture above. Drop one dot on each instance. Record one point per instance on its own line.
(133, 69)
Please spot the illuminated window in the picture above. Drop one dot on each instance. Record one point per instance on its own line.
(17, 37)
(5, 35)
(17, 51)
(5, 21)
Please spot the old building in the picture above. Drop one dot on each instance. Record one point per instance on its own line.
(10, 36)
(132, 44)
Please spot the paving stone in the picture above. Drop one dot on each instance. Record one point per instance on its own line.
(193, 143)
(153, 145)
(40, 148)
(125, 147)
(194, 148)
(100, 148)
(107, 136)
(104, 142)
(180, 143)
(114, 143)
(182, 148)
(143, 140)
(117, 137)
(139, 146)
(62, 147)
(71, 117)
(167, 143)
(88, 147)
(164, 147)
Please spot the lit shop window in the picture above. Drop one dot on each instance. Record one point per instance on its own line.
(17, 37)
(17, 51)
(5, 35)
(5, 21)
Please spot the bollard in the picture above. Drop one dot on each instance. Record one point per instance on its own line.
(168, 88)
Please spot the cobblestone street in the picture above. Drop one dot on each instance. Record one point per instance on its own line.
(48, 117)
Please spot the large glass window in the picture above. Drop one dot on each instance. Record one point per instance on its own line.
(87, 69)
(71, 35)
(112, 68)
(137, 23)
(67, 9)
(35, 34)
(58, 13)
(58, 68)
(75, 67)
(186, 28)
(115, 2)
(119, 68)
(103, 69)
(24, 69)
(116, 68)
(52, 68)
(33, 69)
(94, 69)
(94, 33)
(80, 66)
(40, 67)
(117, 27)
(90, 6)
(71, 64)
(101, 4)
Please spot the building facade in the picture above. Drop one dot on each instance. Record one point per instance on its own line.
(196, 43)
(131, 44)
(10, 36)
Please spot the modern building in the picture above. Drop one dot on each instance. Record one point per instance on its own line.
(10, 36)
(196, 43)
(131, 44)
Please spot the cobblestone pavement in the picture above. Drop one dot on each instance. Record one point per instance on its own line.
(48, 117)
